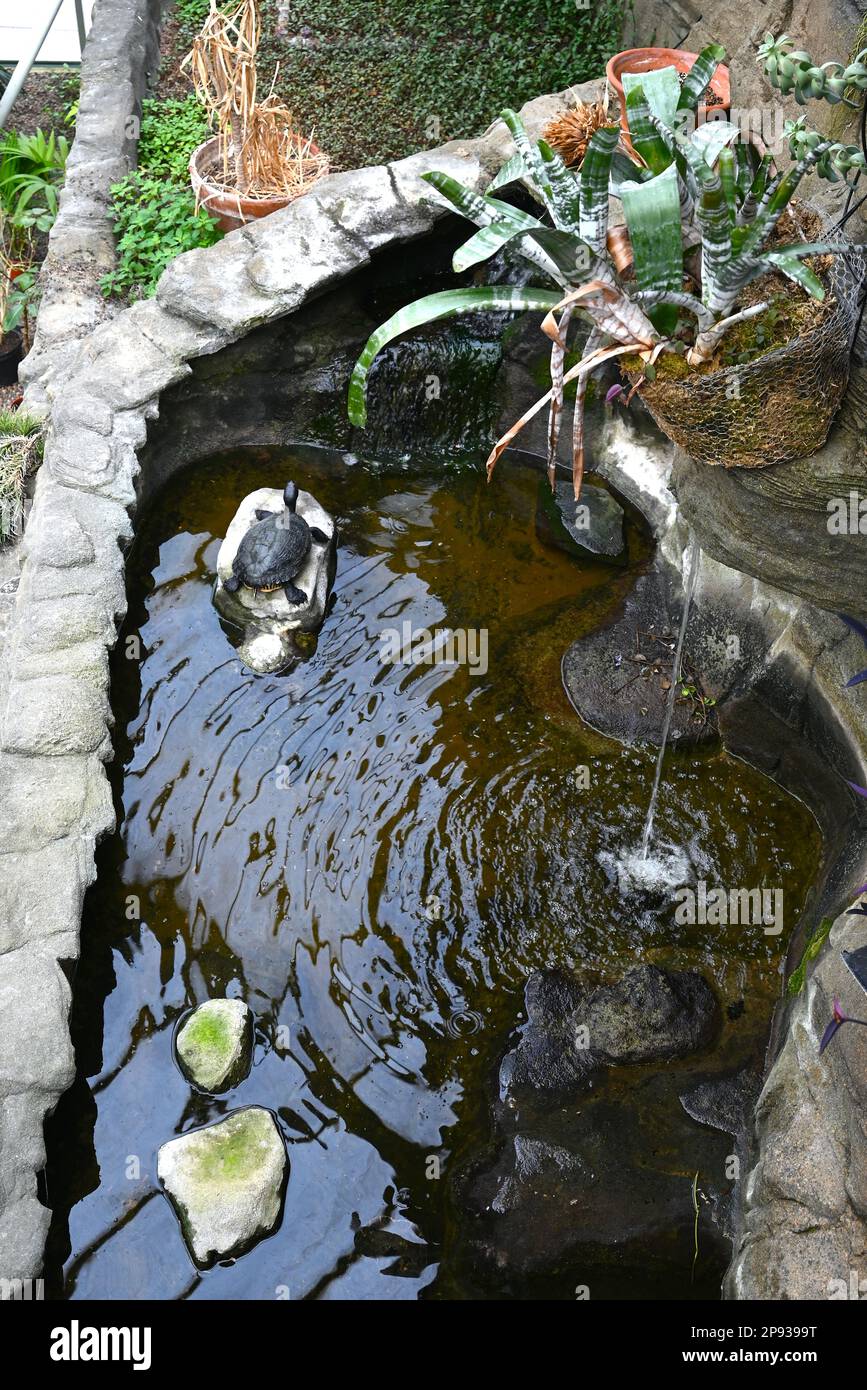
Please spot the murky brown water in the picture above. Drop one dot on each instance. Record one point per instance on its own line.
(375, 857)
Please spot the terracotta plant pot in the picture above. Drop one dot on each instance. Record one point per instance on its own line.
(650, 59)
(231, 209)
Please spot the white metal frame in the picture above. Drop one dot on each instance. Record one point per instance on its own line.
(27, 59)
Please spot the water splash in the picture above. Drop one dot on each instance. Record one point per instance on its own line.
(693, 556)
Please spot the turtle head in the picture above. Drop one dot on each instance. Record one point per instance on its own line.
(290, 495)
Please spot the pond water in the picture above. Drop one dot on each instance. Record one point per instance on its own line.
(375, 857)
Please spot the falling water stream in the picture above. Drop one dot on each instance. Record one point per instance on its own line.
(693, 555)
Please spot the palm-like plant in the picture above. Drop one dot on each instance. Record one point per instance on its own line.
(677, 192)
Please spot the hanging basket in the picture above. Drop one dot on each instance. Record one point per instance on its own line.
(776, 408)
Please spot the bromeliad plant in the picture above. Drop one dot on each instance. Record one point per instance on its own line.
(678, 192)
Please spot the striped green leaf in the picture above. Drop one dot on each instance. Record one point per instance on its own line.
(593, 198)
(533, 161)
(713, 136)
(483, 244)
(652, 212)
(644, 133)
(564, 185)
(696, 82)
(623, 170)
(712, 216)
(433, 307)
(661, 88)
(728, 179)
(801, 274)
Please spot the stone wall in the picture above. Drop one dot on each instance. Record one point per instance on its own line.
(120, 56)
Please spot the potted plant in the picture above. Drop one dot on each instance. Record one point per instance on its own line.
(256, 162)
(733, 327)
(636, 63)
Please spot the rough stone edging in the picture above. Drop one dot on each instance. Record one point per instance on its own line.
(122, 50)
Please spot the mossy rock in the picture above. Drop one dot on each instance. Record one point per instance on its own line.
(214, 1045)
(226, 1183)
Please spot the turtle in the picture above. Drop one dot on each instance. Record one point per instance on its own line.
(273, 550)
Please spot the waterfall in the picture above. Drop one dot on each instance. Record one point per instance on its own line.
(691, 567)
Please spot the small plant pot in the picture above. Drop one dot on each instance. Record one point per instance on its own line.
(774, 409)
(11, 352)
(232, 209)
(650, 60)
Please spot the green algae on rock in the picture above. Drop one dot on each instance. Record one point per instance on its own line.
(226, 1183)
(215, 1044)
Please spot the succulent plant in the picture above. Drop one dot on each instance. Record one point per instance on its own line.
(793, 72)
(838, 160)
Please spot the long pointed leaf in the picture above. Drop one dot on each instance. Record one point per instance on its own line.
(711, 211)
(801, 274)
(698, 78)
(433, 307)
(644, 133)
(661, 88)
(595, 174)
(533, 161)
(652, 212)
(565, 190)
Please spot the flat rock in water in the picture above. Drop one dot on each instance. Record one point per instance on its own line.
(226, 1183)
(650, 1015)
(618, 678)
(593, 526)
(215, 1044)
(725, 1103)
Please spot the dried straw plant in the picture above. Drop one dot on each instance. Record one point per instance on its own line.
(570, 133)
(271, 160)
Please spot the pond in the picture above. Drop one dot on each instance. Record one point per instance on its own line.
(375, 856)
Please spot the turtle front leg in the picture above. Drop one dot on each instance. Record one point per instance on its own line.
(294, 595)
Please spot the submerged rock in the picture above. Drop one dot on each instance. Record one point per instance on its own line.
(215, 1044)
(649, 1015)
(593, 526)
(726, 1103)
(618, 677)
(591, 1175)
(226, 1183)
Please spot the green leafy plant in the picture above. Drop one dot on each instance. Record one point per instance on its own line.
(22, 302)
(31, 172)
(685, 191)
(21, 440)
(817, 939)
(154, 220)
(170, 131)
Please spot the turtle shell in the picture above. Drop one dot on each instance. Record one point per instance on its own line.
(273, 551)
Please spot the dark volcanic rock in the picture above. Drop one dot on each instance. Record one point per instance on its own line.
(594, 525)
(725, 1103)
(650, 1015)
(602, 1188)
(618, 677)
